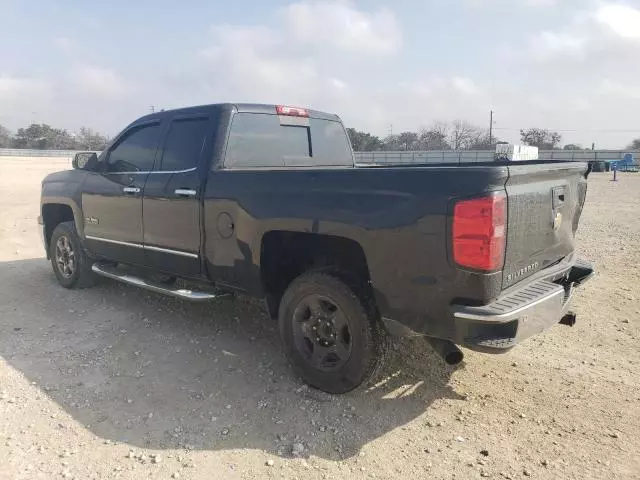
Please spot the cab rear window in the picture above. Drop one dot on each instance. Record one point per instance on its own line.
(263, 141)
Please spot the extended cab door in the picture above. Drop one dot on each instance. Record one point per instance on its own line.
(172, 197)
(112, 195)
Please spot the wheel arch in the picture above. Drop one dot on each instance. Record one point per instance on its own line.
(285, 255)
(53, 214)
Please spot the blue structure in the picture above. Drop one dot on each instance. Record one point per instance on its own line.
(627, 164)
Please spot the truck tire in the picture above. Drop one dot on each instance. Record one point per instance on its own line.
(69, 260)
(330, 334)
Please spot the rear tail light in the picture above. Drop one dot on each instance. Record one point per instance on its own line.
(291, 111)
(479, 232)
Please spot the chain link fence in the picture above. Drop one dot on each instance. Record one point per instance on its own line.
(25, 152)
(478, 156)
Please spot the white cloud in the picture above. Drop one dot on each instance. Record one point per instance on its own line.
(465, 85)
(581, 76)
(540, 3)
(337, 83)
(101, 82)
(549, 44)
(22, 99)
(240, 38)
(12, 87)
(65, 44)
(338, 24)
(66, 101)
(255, 64)
(623, 20)
(309, 59)
(609, 31)
(9, 85)
(512, 3)
(615, 88)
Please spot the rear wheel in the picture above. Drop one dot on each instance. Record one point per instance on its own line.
(70, 263)
(330, 334)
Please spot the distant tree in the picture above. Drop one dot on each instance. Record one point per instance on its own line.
(541, 138)
(88, 139)
(634, 145)
(462, 135)
(392, 143)
(408, 141)
(30, 137)
(364, 142)
(5, 137)
(434, 137)
(43, 137)
(63, 140)
(572, 146)
(483, 142)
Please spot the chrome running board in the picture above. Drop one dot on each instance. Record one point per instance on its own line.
(186, 294)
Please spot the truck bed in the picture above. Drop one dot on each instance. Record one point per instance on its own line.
(401, 218)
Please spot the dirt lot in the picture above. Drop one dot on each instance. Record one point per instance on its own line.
(115, 382)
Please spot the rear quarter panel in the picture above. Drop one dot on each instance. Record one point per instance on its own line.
(399, 216)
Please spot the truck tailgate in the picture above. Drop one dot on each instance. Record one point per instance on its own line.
(544, 205)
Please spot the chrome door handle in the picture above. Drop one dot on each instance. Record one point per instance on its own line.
(131, 190)
(182, 192)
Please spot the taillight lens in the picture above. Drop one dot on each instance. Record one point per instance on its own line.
(479, 232)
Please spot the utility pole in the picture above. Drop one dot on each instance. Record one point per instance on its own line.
(152, 108)
(491, 128)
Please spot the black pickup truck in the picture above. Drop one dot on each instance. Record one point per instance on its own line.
(266, 200)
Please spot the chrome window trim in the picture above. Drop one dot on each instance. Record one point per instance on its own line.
(192, 169)
(116, 242)
(144, 247)
(175, 252)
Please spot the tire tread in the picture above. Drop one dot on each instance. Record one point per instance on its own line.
(85, 277)
(377, 340)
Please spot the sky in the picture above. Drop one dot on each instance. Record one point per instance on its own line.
(566, 65)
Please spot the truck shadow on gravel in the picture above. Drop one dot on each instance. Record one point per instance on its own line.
(154, 372)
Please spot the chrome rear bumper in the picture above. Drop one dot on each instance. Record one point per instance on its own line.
(519, 314)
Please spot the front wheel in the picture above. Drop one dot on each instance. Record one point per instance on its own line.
(330, 334)
(70, 263)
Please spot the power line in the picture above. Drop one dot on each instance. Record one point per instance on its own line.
(576, 130)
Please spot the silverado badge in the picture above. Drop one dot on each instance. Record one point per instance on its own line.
(523, 271)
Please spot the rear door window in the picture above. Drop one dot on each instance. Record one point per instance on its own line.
(184, 143)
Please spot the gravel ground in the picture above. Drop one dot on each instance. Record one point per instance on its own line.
(115, 382)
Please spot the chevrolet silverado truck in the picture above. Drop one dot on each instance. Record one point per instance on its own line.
(266, 200)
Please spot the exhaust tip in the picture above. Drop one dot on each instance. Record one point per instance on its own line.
(447, 350)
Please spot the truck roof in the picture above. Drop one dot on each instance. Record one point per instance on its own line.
(239, 107)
